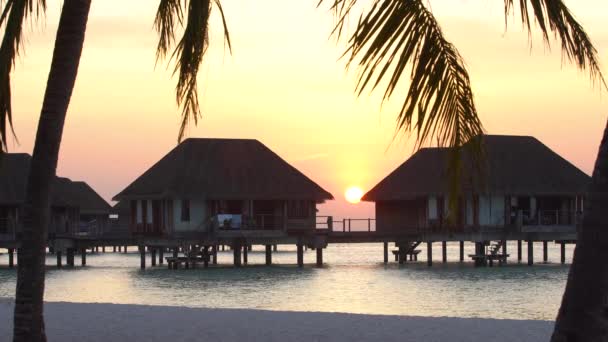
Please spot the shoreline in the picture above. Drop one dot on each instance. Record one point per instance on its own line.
(122, 322)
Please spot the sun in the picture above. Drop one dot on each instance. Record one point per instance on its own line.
(353, 194)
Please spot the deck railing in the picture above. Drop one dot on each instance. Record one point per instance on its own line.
(248, 222)
(345, 224)
(547, 218)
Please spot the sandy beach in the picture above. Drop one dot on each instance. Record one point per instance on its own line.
(114, 322)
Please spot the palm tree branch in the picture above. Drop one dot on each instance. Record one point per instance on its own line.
(553, 16)
(189, 50)
(13, 14)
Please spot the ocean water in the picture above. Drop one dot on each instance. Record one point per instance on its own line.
(353, 280)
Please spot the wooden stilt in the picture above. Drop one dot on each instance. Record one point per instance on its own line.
(275, 248)
(562, 248)
(236, 250)
(245, 254)
(518, 250)
(444, 251)
(504, 252)
(83, 257)
(142, 257)
(461, 251)
(206, 256)
(69, 258)
(401, 255)
(11, 261)
(480, 250)
(152, 256)
(300, 253)
(125, 249)
(214, 255)
(268, 254)
(103, 249)
(530, 252)
(161, 252)
(114, 249)
(429, 253)
(545, 252)
(385, 252)
(250, 248)
(59, 259)
(175, 252)
(319, 257)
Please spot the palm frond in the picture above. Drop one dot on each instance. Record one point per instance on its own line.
(13, 14)
(553, 16)
(394, 36)
(189, 51)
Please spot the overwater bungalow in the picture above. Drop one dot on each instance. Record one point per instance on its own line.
(222, 188)
(522, 186)
(76, 209)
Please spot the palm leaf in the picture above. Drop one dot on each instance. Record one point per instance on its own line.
(13, 14)
(552, 16)
(189, 50)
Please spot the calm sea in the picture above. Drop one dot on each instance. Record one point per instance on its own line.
(353, 280)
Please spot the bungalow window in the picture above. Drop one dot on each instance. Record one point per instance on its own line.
(185, 211)
(298, 209)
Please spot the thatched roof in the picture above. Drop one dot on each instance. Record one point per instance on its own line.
(14, 170)
(515, 165)
(223, 169)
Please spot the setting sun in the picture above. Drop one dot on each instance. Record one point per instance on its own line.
(353, 194)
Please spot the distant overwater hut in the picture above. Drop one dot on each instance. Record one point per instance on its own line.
(521, 191)
(76, 209)
(236, 192)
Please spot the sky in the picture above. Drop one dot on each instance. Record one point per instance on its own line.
(286, 85)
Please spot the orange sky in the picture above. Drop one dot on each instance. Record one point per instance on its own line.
(284, 86)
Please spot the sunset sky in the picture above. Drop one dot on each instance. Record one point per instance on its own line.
(285, 86)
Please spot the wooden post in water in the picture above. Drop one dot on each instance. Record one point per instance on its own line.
(429, 253)
(562, 248)
(236, 250)
(275, 248)
(161, 252)
(385, 252)
(300, 248)
(530, 252)
(545, 252)
(461, 251)
(113, 249)
(103, 249)
(152, 256)
(83, 257)
(518, 250)
(69, 258)
(245, 256)
(214, 255)
(11, 261)
(59, 259)
(401, 255)
(142, 257)
(444, 251)
(268, 255)
(175, 252)
(319, 257)
(125, 249)
(504, 251)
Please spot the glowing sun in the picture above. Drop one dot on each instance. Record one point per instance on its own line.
(353, 194)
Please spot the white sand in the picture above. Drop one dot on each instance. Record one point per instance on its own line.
(113, 322)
